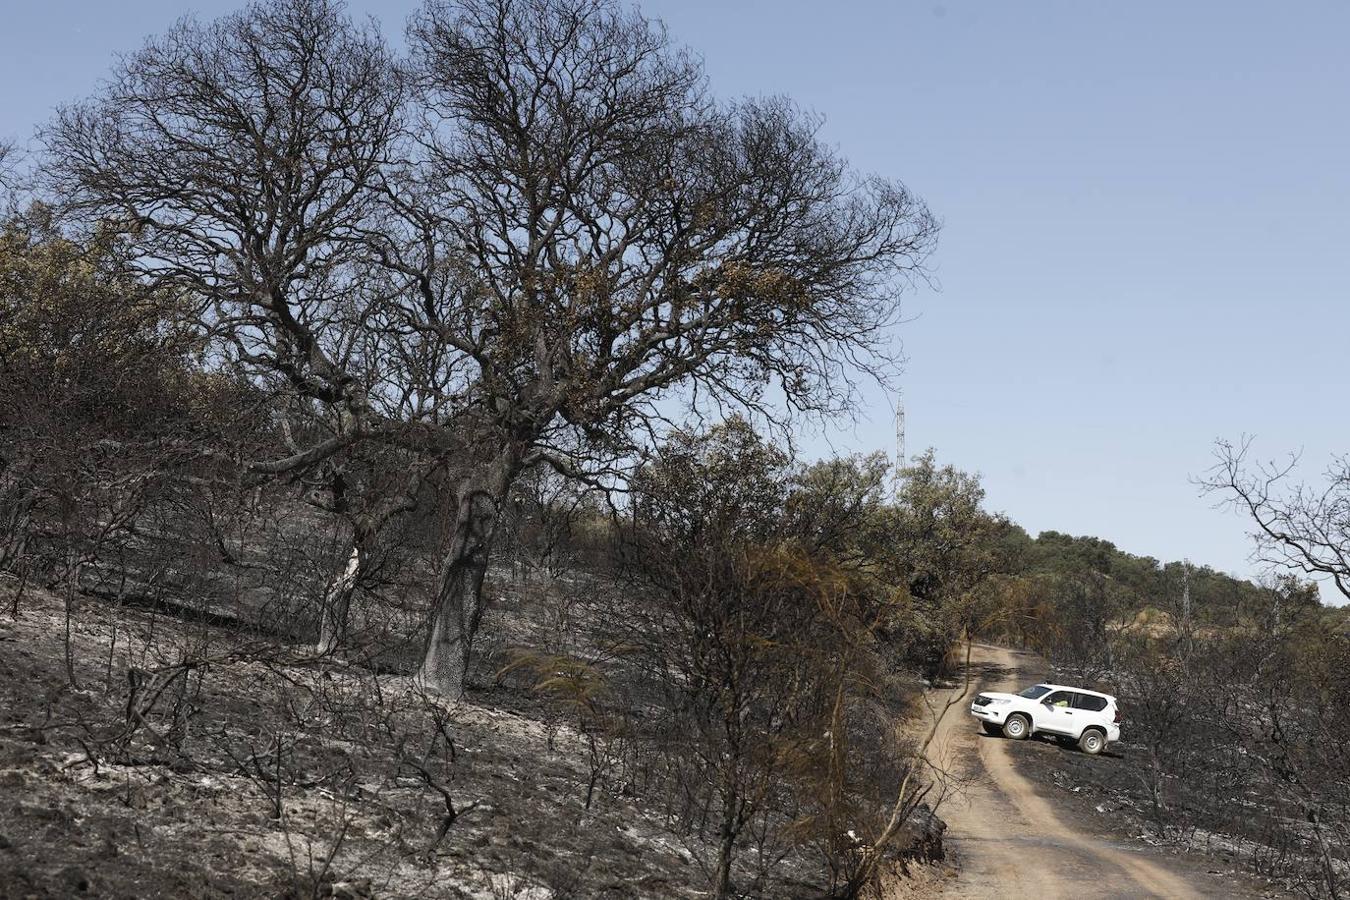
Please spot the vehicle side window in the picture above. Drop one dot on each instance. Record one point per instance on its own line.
(1089, 702)
(1061, 699)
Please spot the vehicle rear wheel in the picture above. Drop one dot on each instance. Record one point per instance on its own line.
(1017, 727)
(1092, 741)
(991, 729)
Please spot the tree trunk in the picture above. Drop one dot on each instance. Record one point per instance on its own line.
(726, 849)
(459, 601)
(454, 624)
(72, 586)
(337, 602)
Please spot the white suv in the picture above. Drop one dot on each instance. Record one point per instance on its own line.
(1090, 718)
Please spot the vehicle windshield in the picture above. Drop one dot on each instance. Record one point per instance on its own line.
(1035, 692)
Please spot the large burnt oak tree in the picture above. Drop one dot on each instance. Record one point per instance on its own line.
(530, 243)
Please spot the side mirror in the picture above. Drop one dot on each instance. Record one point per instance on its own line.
(1046, 704)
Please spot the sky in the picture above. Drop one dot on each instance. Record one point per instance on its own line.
(1146, 224)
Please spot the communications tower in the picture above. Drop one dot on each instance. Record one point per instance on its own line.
(900, 461)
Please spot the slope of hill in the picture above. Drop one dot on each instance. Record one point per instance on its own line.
(218, 770)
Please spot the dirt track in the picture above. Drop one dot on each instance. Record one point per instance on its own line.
(1008, 840)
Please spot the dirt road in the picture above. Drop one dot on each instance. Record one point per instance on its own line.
(1008, 840)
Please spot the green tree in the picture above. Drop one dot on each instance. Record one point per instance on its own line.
(944, 547)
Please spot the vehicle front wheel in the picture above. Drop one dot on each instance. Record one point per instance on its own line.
(1092, 742)
(991, 729)
(1017, 727)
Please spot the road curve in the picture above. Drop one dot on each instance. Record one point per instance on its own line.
(1006, 839)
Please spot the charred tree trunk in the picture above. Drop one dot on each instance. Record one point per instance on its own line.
(459, 602)
(726, 842)
(366, 527)
(337, 601)
(73, 566)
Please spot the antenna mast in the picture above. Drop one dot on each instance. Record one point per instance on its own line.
(899, 439)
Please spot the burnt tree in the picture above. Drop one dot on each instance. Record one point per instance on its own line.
(598, 235)
(527, 246)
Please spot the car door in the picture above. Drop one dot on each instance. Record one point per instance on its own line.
(1057, 713)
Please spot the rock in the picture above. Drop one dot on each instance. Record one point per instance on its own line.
(5, 843)
(921, 837)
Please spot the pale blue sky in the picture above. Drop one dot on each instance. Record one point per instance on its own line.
(1146, 210)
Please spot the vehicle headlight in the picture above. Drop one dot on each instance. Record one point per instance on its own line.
(998, 701)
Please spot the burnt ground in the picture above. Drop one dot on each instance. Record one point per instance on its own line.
(1106, 794)
(1101, 795)
(225, 767)
(1012, 833)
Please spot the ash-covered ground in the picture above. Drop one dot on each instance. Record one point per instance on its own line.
(192, 761)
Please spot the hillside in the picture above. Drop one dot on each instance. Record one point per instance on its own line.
(192, 760)
(399, 498)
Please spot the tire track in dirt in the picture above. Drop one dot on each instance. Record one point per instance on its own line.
(1006, 838)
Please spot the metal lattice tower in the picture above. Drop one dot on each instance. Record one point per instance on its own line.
(899, 438)
(1186, 592)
